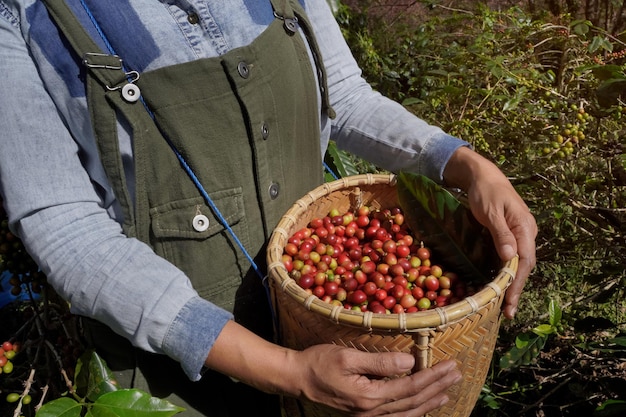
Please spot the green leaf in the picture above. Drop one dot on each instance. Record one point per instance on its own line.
(555, 313)
(619, 341)
(558, 213)
(522, 340)
(518, 356)
(340, 161)
(61, 407)
(411, 100)
(329, 177)
(581, 28)
(132, 403)
(447, 227)
(93, 376)
(611, 408)
(489, 398)
(544, 329)
(610, 91)
(614, 345)
(607, 72)
(600, 43)
(442, 73)
(514, 101)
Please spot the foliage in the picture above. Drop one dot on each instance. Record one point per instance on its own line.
(528, 344)
(544, 98)
(450, 231)
(102, 397)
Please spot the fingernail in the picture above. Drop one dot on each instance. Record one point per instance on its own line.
(444, 400)
(406, 362)
(508, 252)
(458, 378)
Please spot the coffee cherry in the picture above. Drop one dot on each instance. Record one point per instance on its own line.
(13, 397)
(423, 253)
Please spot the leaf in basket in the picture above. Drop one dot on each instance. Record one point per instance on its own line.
(447, 227)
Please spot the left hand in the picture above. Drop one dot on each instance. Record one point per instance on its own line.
(496, 205)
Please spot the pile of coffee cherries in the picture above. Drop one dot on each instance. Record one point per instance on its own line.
(8, 351)
(367, 260)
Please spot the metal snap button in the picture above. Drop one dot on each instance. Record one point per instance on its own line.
(131, 93)
(265, 132)
(193, 18)
(291, 25)
(243, 69)
(274, 190)
(200, 222)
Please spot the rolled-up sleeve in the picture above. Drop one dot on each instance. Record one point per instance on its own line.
(53, 206)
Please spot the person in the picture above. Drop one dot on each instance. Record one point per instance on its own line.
(137, 134)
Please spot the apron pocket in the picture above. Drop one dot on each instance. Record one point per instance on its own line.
(186, 231)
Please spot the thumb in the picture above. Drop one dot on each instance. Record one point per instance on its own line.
(503, 239)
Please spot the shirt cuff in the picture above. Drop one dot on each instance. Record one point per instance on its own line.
(193, 333)
(436, 154)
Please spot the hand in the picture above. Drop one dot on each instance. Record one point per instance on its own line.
(496, 205)
(356, 381)
(365, 384)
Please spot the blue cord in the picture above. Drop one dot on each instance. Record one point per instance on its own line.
(97, 26)
(335, 176)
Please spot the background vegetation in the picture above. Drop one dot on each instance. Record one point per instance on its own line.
(539, 87)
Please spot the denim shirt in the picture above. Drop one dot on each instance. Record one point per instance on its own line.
(54, 188)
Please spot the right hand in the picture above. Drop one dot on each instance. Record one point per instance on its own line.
(365, 384)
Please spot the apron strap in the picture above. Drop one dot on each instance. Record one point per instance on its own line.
(105, 72)
(291, 12)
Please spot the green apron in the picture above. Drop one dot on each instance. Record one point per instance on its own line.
(247, 124)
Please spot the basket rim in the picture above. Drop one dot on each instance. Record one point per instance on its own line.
(493, 291)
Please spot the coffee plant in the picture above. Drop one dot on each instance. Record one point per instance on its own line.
(544, 97)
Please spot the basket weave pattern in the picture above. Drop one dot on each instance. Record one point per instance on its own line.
(465, 331)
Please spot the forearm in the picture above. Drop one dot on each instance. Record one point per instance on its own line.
(466, 168)
(249, 358)
(105, 275)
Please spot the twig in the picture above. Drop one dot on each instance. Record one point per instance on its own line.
(452, 9)
(43, 397)
(584, 400)
(578, 204)
(603, 286)
(27, 385)
(542, 399)
(68, 383)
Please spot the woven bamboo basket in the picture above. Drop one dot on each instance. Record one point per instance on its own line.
(465, 331)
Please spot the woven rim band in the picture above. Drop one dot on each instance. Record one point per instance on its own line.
(472, 302)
